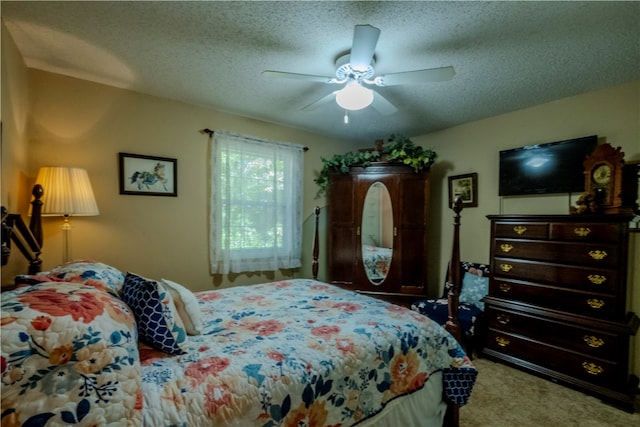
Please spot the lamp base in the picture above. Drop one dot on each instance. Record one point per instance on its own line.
(66, 239)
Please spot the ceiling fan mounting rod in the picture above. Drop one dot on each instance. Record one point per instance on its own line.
(345, 71)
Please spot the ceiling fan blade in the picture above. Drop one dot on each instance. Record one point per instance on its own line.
(365, 39)
(315, 104)
(415, 77)
(382, 105)
(295, 76)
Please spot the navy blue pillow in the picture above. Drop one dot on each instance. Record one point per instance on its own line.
(158, 321)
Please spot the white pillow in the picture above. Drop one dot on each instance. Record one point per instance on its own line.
(187, 306)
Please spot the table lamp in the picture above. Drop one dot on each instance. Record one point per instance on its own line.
(66, 191)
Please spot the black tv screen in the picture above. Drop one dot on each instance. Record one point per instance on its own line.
(555, 167)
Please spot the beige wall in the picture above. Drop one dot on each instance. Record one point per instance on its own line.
(14, 115)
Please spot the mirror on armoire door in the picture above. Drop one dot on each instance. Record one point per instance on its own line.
(377, 233)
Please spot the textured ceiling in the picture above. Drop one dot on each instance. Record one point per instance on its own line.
(507, 55)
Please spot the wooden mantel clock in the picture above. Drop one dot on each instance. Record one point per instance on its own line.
(613, 189)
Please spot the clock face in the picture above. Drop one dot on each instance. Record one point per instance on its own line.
(602, 174)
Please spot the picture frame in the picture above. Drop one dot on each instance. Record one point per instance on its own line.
(148, 175)
(466, 186)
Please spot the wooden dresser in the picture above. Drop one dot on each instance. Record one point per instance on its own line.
(399, 225)
(558, 303)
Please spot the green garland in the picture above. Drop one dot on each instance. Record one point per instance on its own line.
(397, 149)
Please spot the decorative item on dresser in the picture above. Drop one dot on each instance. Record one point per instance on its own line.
(557, 303)
(611, 185)
(377, 220)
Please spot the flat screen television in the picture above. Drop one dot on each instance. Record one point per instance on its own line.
(554, 167)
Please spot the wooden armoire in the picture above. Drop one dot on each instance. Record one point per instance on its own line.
(384, 206)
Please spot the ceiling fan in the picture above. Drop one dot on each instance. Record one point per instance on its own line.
(356, 72)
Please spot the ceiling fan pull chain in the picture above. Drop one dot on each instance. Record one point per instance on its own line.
(346, 117)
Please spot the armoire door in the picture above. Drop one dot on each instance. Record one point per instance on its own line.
(412, 234)
(365, 279)
(342, 239)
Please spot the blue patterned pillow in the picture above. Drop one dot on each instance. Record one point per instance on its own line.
(475, 286)
(159, 324)
(87, 272)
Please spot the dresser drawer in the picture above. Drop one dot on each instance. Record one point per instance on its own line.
(586, 278)
(590, 369)
(600, 344)
(591, 254)
(585, 232)
(523, 230)
(576, 302)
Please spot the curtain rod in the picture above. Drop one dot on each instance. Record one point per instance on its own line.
(211, 132)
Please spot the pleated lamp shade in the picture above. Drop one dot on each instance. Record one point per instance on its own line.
(67, 192)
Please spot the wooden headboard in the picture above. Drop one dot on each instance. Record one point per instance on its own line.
(27, 239)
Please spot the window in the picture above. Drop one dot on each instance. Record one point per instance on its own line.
(256, 204)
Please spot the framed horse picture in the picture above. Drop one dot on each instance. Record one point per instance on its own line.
(148, 175)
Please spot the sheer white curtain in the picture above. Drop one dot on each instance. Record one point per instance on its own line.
(256, 204)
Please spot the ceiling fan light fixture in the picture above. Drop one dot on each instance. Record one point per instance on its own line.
(354, 97)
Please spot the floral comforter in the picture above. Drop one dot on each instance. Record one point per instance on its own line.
(296, 353)
(69, 357)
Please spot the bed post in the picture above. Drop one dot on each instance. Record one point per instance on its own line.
(452, 416)
(27, 239)
(35, 224)
(454, 283)
(316, 246)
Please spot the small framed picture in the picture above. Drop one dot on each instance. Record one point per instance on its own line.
(148, 175)
(465, 186)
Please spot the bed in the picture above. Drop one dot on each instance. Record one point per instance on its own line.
(86, 343)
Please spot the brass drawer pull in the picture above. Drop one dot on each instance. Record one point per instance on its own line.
(504, 319)
(597, 279)
(592, 368)
(595, 303)
(506, 247)
(520, 229)
(502, 342)
(582, 231)
(506, 267)
(598, 254)
(592, 341)
(505, 287)
(357, 231)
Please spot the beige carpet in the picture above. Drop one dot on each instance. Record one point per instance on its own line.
(507, 397)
